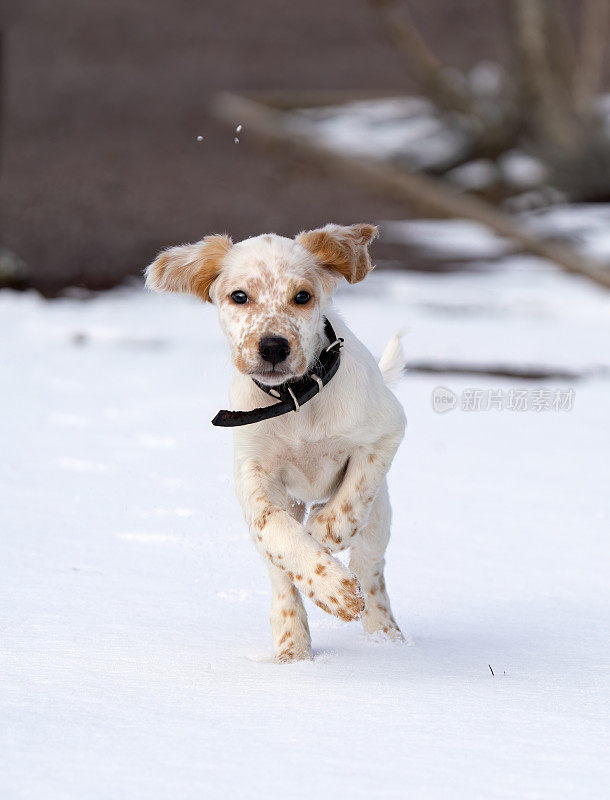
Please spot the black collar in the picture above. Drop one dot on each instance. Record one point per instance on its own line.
(294, 394)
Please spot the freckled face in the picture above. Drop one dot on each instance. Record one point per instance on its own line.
(270, 299)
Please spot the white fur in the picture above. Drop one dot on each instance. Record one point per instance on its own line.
(311, 482)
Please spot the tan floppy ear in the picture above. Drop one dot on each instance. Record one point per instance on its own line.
(342, 248)
(190, 268)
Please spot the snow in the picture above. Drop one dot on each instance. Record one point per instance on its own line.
(135, 650)
(521, 169)
(451, 238)
(476, 174)
(584, 226)
(404, 128)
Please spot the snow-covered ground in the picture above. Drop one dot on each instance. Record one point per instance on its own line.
(585, 227)
(134, 648)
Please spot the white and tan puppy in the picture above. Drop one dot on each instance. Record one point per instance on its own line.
(311, 482)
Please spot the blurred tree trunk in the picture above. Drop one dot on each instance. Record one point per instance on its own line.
(545, 105)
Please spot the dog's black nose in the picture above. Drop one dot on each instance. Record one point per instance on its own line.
(274, 349)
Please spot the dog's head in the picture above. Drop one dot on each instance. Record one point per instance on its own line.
(271, 292)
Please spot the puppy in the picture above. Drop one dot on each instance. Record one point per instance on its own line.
(312, 480)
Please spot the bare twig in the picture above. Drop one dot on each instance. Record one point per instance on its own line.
(421, 192)
(593, 42)
(432, 76)
(492, 128)
(561, 47)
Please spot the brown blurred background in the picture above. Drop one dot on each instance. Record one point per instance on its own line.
(104, 102)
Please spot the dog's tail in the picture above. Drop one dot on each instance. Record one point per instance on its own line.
(392, 362)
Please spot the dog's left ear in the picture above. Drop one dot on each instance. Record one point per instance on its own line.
(341, 248)
(190, 268)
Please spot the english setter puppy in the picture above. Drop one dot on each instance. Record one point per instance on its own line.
(315, 426)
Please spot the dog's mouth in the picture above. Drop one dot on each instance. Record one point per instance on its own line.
(272, 377)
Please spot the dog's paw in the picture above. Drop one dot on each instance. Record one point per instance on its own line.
(293, 651)
(379, 621)
(333, 589)
(334, 530)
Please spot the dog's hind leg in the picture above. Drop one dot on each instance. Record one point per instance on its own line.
(367, 563)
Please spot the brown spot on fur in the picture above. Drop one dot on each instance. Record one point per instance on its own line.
(286, 655)
(284, 637)
(290, 575)
(261, 519)
(330, 534)
(320, 569)
(298, 577)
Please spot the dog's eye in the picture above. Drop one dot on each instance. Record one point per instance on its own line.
(302, 297)
(239, 297)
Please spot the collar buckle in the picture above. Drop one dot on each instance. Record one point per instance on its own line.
(338, 341)
(293, 396)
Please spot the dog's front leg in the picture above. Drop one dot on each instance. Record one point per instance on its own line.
(285, 545)
(347, 511)
(288, 618)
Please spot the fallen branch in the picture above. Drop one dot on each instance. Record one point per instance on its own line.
(504, 371)
(425, 194)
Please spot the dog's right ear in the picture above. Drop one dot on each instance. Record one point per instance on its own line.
(190, 268)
